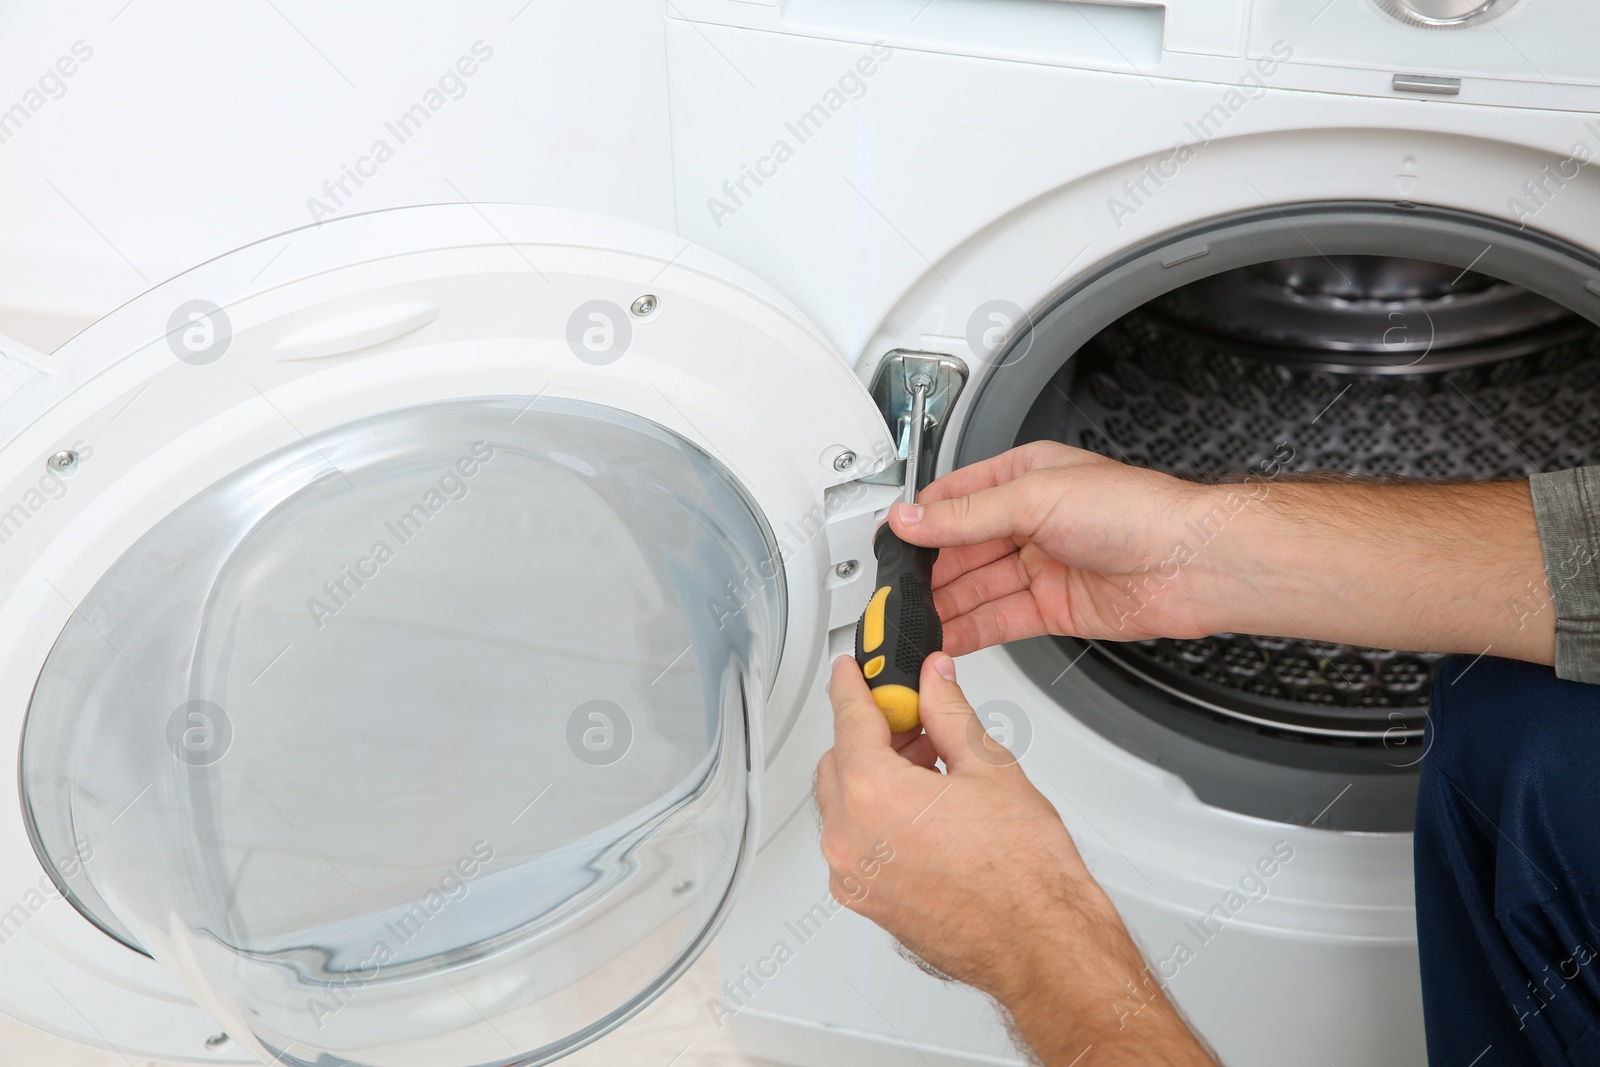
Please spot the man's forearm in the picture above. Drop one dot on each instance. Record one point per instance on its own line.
(1090, 1000)
(1417, 566)
(1131, 1024)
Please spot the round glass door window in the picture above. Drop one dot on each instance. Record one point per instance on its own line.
(424, 742)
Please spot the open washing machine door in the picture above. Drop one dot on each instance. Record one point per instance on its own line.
(397, 614)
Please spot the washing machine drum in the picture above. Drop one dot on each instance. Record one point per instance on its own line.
(432, 735)
(1365, 365)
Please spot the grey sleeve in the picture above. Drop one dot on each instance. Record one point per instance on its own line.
(1566, 505)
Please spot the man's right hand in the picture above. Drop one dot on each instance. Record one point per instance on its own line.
(1047, 538)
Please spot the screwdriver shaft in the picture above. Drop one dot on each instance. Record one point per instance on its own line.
(919, 416)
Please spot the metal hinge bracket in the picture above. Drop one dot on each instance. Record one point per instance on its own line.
(893, 390)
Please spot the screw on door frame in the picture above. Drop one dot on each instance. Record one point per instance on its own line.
(844, 460)
(62, 461)
(218, 1041)
(644, 305)
(848, 568)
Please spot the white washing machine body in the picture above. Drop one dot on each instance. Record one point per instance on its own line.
(922, 176)
(897, 176)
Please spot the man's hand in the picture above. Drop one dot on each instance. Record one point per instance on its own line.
(1047, 538)
(973, 871)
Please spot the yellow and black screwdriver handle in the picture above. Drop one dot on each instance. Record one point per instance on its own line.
(899, 629)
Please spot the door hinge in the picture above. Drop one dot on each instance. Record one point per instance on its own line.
(894, 390)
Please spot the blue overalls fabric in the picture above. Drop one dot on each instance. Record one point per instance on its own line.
(1508, 868)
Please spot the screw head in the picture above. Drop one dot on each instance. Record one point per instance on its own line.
(644, 305)
(218, 1041)
(62, 461)
(844, 460)
(682, 887)
(848, 568)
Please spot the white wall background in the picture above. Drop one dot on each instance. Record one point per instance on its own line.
(196, 127)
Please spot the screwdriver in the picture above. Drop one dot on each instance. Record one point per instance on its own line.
(900, 627)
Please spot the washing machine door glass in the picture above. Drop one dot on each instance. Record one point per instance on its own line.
(424, 740)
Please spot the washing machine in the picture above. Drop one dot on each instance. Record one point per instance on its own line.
(414, 622)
